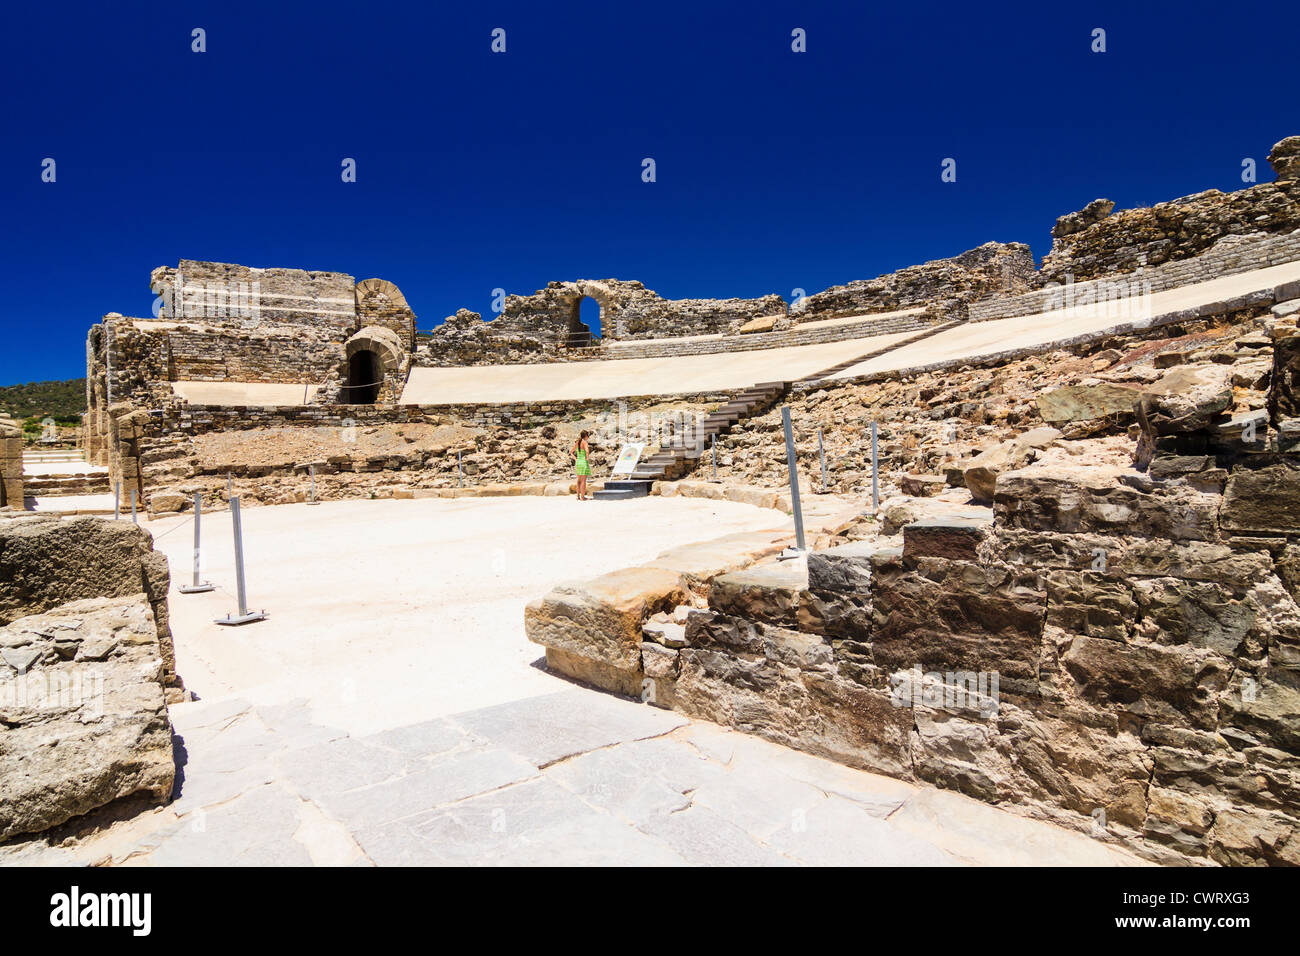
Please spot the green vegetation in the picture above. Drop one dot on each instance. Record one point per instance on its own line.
(62, 401)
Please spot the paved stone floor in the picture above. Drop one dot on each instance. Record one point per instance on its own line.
(572, 777)
(391, 712)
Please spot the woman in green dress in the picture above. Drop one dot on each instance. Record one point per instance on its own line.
(582, 467)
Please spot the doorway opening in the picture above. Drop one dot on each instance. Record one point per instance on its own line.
(365, 375)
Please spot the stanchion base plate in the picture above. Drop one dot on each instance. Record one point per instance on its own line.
(313, 502)
(789, 553)
(249, 618)
(196, 588)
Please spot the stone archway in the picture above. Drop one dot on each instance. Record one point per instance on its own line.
(374, 358)
(578, 333)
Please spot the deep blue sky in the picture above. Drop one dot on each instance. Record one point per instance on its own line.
(776, 170)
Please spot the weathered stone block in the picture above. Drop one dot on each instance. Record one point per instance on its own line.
(1263, 499)
(1054, 498)
(958, 616)
(1171, 684)
(957, 539)
(601, 619)
(770, 593)
(89, 725)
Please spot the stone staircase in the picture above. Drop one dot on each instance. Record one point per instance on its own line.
(61, 474)
(676, 457)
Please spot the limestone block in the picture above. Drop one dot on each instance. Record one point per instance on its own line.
(1264, 499)
(1176, 685)
(957, 616)
(166, 502)
(596, 673)
(601, 619)
(955, 538)
(771, 593)
(1094, 499)
(1076, 403)
(91, 676)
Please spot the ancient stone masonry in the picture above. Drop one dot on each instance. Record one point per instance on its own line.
(383, 449)
(1127, 296)
(1114, 644)
(86, 669)
(1096, 242)
(546, 325)
(947, 286)
(11, 464)
(342, 341)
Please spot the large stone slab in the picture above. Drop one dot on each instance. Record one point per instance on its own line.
(554, 726)
(1078, 403)
(83, 719)
(601, 619)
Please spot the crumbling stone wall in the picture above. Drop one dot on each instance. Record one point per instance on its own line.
(1126, 295)
(220, 322)
(86, 662)
(11, 464)
(545, 325)
(363, 450)
(1095, 241)
(1117, 647)
(949, 285)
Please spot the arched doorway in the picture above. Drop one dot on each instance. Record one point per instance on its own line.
(584, 322)
(365, 374)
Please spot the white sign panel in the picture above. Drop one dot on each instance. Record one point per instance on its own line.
(627, 458)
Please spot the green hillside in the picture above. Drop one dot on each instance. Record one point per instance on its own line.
(62, 401)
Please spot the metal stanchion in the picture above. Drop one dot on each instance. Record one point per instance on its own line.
(230, 488)
(875, 482)
(134, 519)
(800, 546)
(715, 457)
(245, 616)
(198, 587)
(821, 450)
(311, 469)
(117, 500)
(460, 475)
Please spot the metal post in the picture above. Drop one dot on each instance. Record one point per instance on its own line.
(875, 482)
(117, 500)
(460, 475)
(198, 586)
(230, 490)
(715, 457)
(311, 469)
(821, 450)
(794, 478)
(245, 616)
(134, 520)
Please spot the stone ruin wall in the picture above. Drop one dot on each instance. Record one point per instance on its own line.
(220, 322)
(947, 286)
(380, 450)
(11, 464)
(1097, 242)
(1117, 650)
(86, 660)
(546, 327)
(1230, 255)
